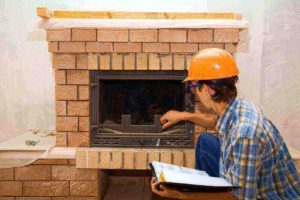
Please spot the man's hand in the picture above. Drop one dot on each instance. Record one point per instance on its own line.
(165, 192)
(170, 118)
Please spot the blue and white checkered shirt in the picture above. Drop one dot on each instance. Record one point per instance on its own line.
(254, 155)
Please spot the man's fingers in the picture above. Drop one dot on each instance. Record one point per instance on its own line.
(166, 125)
(152, 180)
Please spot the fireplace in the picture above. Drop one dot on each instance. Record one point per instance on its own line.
(126, 107)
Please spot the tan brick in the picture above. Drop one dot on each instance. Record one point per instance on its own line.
(172, 35)
(154, 61)
(128, 160)
(153, 156)
(63, 61)
(141, 61)
(46, 188)
(33, 172)
(8, 198)
(110, 35)
(60, 77)
(84, 188)
(84, 124)
(127, 47)
(188, 61)
(92, 158)
(53, 47)
(81, 158)
(156, 47)
(83, 92)
(179, 62)
(59, 35)
(166, 157)
(166, 62)
(104, 60)
(99, 47)
(92, 61)
(81, 61)
(190, 159)
(75, 198)
(78, 77)
(117, 61)
(6, 174)
(61, 108)
(78, 108)
(143, 35)
(178, 158)
(211, 45)
(47, 161)
(200, 35)
(10, 188)
(68, 172)
(105, 161)
(61, 139)
(71, 47)
(66, 92)
(141, 160)
(129, 61)
(33, 198)
(66, 123)
(226, 35)
(72, 161)
(116, 160)
(78, 139)
(84, 34)
(230, 47)
(184, 47)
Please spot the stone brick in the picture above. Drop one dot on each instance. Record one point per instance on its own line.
(141, 160)
(226, 35)
(60, 77)
(128, 160)
(129, 61)
(166, 62)
(127, 47)
(105, 160)
(200, 35)
(53, 47)
(78, 77)
(47, 161)
(141, 61)
(83, 92)
(33, 173)
(33, 198)
(104, 61)
(66, 123)
(172, 35)
(116, 161)
(10, 188)
(211, 45)
(78, 108)
(63, 61)
(61, 108)
(99, 47)
(143, 35)
(8, 198)
(178, 158)
(184, 47)
(61, 139)
(68, 172)
(71, 47)
(59, 35)
(117, 61)
(166, 157)
(81, 61)
(179, 62)
(84, 188)
(156, 47)
(154, 63)
(112, 35)
(92, 61)
(230, 47)
(190, 159)
(153, 156)
(93, 159)
(188, 61)
(78, 139)
(6, 174)
(72, 161)
(75, 198)
(66, 92)
(84, 34)
(46, 188)
(81, 159)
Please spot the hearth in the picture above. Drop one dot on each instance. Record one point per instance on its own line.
(126, 107)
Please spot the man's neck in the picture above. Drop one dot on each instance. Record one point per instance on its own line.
(219, 107)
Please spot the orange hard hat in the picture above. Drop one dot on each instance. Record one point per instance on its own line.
(210, 64)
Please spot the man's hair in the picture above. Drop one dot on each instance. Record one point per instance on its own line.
(225, 89)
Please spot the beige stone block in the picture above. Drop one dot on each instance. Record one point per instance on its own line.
(211, 45)
(53, 47)
(78, 108)
(6, 174)
(78, 77)
(188, 60)
(61, 108)
(141, 160)
(128, 160)
(129, 61)
(81, 61)
(51, 162)
(226, 35)
(63, 61)
(93, 157)
(66, 92)
(70, 172)
(84, 188)
(92, 61)
(200, 35)
(78, 139)
(66, 124)
(105, 160)
(156, 47)
(84, 124)
(33, 172)
(141, 61)
(154, 63)
(84, 34)
(31, 198)
(71, 47)
(60, 77)
(75, 198)
(99, 47)
(46, 188)
(81, 158)
(166, 157)
(179, 62)
(230, 47)
(172, 35)
(84, 92)
(127, 47)
(117, 61)
(117, 160)
(153, 155)
(184, 47)
(104, 60)
(143, 35)
(166, 61)
(10, 188)
(178, 158)
(189, 159)
(59, 35)
(112, 35)
(61, 139)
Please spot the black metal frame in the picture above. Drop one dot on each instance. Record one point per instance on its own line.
(99, 139)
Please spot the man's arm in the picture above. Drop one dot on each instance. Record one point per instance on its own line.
(172, 117)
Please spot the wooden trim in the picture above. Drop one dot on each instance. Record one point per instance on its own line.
(44, 13)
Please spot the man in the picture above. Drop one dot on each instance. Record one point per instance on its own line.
(249, 152)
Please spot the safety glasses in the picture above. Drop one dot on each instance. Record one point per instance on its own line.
(193, 85)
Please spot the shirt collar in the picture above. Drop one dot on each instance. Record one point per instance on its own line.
(225, 116)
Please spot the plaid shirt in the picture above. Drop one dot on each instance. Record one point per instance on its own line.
(254, 155)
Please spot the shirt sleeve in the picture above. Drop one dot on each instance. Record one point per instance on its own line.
(244, 168)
